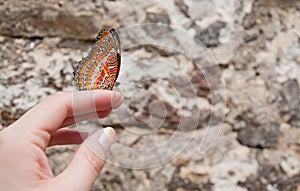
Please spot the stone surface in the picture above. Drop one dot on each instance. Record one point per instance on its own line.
(227, 122)
(290, 102)
(262, 136)
(210, 36)
(45, 19)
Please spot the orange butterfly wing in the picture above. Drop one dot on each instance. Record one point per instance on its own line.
(100, 69)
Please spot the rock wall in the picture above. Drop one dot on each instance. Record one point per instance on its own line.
(229, 113)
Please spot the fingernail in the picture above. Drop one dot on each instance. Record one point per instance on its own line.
(106, 138)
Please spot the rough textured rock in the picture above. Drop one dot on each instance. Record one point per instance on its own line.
(263, 136)
(249, 21)
(268, 179)
(45, 19)
(210, 36)
(289, 103)
(223, 118)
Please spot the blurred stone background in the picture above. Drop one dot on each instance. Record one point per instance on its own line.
(256, 47)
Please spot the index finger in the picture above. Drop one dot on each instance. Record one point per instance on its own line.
(49, 114)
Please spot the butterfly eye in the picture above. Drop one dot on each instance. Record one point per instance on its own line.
(101, 67)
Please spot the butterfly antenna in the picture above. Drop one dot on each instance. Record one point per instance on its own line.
(118, 83)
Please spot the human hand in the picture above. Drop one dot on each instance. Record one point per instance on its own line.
(23, 163)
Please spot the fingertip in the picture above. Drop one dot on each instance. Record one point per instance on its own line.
(118, 103)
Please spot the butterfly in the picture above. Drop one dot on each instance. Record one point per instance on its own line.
(101, 67)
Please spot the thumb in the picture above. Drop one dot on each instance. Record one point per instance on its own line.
(88, 161)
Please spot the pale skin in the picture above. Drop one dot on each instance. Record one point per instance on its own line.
(23, 163)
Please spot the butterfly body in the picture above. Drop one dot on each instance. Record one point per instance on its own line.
(100, 69)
